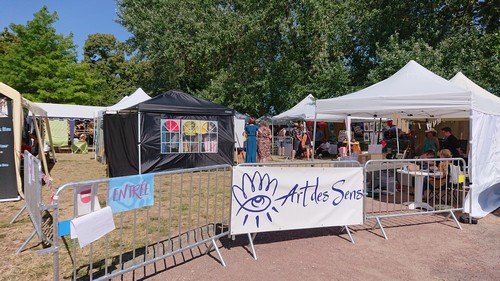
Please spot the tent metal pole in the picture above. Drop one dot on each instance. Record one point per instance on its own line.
(139, 140)
(397, 139)
(313, 141)
(348, 127)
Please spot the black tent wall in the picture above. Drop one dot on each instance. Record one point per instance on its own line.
(153, 160)
(121, 144)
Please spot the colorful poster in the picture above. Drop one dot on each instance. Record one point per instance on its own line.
(131, 192)
(83, 197)
(274, 198)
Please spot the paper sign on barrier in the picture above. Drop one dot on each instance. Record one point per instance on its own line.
(131, 192)
(84, 198)
(461, 178)
(92, 226)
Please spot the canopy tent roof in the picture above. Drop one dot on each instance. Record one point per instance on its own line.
(70, 111)
(137, 97)
(413, 92)
(176, 101)
(305, 110)
(482, 100)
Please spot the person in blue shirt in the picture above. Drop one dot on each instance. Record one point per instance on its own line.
(251, 131)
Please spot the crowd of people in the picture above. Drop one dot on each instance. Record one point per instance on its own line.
(258, 143)
(304, 143)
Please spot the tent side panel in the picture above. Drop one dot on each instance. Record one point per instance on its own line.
(153, 160)
(120, 144)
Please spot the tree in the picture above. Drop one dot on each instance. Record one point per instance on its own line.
(446, 36)
(42, 64)
(106, 58)
(259, 57)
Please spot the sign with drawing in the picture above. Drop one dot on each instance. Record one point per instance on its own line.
(276, 198)
(86, 198)
(131, 192)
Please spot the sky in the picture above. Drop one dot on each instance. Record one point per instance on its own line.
(81, 17)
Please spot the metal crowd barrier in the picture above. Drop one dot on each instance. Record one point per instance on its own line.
(287, 143)
(190, 212)
(408, 187)
(33, 199)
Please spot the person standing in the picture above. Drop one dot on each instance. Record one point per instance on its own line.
(306, 143)
(297, 142)
(251, 150)
(431, 142)
(264, 141)
(281, 140)
(451, 142)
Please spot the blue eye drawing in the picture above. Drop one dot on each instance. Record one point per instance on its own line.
(257, 203)
(254, 196)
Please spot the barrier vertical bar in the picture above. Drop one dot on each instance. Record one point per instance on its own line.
(139, 141)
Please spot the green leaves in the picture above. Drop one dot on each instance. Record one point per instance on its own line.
(40, 63)
(259, 57)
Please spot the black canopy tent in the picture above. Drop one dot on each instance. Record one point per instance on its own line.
(173, 130)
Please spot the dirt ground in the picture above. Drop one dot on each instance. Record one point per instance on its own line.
(419, 248)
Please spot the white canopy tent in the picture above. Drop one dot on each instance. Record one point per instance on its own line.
(70, 111)
(414, 92)
(128, 101)
(136, 97)
(306, 110)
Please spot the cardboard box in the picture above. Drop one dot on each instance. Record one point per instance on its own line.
(364, 157)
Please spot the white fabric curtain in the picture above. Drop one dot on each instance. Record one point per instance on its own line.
(485, 165)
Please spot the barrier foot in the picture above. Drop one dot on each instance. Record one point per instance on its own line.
(26, 242)
(379, 222)
(214, 245)
(18, 214)
(455, 219)
(348, 232)
(250, 240)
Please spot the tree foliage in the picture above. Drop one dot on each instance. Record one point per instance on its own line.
(256, 56)
(262, 57)
(117, 75)
(42, 64)
(444, 36)
(259, 57)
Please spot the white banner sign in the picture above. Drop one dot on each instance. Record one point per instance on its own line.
(278, 198)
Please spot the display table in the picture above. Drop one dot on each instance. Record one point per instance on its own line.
(419, 187)
(79, 147)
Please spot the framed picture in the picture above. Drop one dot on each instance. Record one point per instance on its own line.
(366, 137)
(372, 126)
(366, 126)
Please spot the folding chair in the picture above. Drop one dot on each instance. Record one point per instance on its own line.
(449, 190)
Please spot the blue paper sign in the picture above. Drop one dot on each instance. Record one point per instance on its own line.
(131, 192)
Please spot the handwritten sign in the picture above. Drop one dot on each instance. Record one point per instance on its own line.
(131, 192)
(276, 198)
